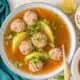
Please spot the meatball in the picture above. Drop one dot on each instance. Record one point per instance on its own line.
(35, 66)
(30, 17)
(56, 54)
(39, 40)
(25, 47)
(17, 25)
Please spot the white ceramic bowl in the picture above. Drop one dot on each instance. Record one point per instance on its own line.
(69, 27)
(74, 65)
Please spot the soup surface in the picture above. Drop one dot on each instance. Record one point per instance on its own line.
(33, 40)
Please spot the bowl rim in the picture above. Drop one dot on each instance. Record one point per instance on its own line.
(71, 31)
(75, 17)
(74, 65)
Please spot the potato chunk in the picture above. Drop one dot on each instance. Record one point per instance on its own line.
(17, 40)
(47, 30)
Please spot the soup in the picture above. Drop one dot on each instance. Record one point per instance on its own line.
(33, 41)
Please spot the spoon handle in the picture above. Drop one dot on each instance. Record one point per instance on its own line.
(66, 66)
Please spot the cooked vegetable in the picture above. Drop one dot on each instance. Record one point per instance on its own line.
(37, 55)
(46, 28)
(68, 6)
(18, 64)
(41, 25)
(32, 29)
(17, 40)
(51, 45)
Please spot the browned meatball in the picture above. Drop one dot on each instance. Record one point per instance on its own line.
(35, 66)
(39, 40)
(30, 17)
(25, 47)
(56, 54)
(17, 25)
